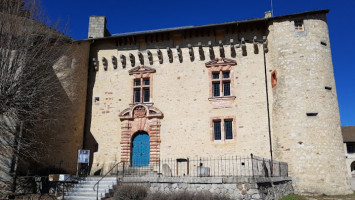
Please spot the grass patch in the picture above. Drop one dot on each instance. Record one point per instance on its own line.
(320, 197)
(294, 197)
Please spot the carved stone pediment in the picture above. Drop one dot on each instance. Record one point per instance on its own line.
(221, 62)
(141, 70)
(140, 111)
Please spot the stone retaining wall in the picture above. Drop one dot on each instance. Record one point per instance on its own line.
(235, 188)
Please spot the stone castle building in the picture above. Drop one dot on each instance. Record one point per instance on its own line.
(257, 86)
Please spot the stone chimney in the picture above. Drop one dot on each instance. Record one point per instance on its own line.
(268, 14)
(97, 27)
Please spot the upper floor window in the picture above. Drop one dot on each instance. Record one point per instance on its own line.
(299, 25)
(350, 147)
(221, 84)
(142, 84)
(221, 79)
(141, 90)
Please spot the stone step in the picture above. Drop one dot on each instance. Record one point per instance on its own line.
(81, 197)
(84, 189)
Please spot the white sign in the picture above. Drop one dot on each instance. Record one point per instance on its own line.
(83, 156)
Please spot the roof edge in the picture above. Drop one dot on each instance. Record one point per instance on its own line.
(325, 11)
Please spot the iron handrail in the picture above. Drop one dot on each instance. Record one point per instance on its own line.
(98, 182)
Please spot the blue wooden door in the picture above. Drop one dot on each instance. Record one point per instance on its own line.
(140, 149)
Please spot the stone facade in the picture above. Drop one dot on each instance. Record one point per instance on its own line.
(180, 109)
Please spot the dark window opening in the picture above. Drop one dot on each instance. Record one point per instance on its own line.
(226, 88)
(217, 130)
(216, 90)
(137, 82)
(146, 82)
(137, 95)
(215, 76)
(228, 129)
(299, 25)
(146, 94)
(225, 74)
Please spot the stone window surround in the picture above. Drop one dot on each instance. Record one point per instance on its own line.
(220, 65)
(142, 72)
(142, 77)
(223, 140)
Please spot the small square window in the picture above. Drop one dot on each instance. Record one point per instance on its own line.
(225, 74)
(215, 76)
(146, 82)
(299, 25)
(137, 82)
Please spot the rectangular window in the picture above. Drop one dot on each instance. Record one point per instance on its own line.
(221, 84)
(216, 89)
(299, 25)
(217, 130)
(225, 74)
(350, 148)
(146, 94)
(137, 82)
(141, 90)
(226, 88)
(222, 129)
(215, 76)
(137, 95)
(228, 129)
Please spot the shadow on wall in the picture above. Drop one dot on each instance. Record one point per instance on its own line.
(89, 140)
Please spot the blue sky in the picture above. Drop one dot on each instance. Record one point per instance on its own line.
(138, 15)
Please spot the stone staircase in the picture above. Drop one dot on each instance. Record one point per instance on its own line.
(84, 189)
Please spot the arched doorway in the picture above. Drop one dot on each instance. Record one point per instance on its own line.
(352, 168)
(140, 149)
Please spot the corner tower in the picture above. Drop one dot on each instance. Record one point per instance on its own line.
(305, 114)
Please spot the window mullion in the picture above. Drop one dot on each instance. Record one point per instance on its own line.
(221, 83)
(141, 88)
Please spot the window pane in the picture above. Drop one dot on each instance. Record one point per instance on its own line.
(226, 89)
(146, 94)
(217, 130)
(137, 82)
(215, 87)
(225, 74)
(228, 129)
(146, 81)
(137, 95)
(215, 76)
(350, 148)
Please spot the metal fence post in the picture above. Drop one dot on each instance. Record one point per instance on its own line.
(159, 168)
(252, 164)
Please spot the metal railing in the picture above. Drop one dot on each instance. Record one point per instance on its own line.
(226, 166)
(98, 182)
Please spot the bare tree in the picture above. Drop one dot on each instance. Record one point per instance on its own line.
(32, 54)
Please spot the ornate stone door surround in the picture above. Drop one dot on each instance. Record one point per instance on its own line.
(140, 117)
